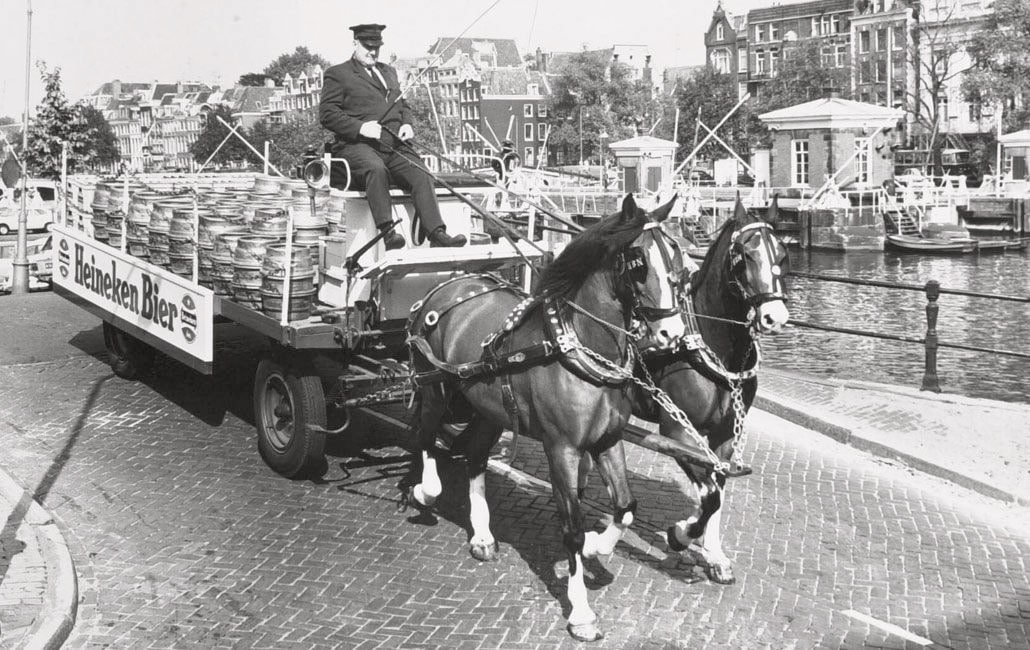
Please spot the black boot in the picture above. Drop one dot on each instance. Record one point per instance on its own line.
(393, 240)
(440, 238)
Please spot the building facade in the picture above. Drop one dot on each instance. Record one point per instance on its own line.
(892, 49)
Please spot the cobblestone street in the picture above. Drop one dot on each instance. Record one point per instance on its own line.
(183, 538)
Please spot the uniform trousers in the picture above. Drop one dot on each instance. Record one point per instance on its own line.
(372, 171)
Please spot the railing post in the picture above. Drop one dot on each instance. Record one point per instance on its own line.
(930, 381)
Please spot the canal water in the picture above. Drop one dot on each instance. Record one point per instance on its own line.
(963, 320)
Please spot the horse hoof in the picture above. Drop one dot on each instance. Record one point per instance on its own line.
(674, 544)
(585, 632)
(484, 552)
(423, 498)
(719, 574)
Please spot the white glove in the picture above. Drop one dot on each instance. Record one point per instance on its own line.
(371, 130)
(406, 132)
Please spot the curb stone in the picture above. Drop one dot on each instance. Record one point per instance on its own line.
(57, 616)
(846, 434)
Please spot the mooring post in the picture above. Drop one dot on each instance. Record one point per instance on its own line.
(930, 381)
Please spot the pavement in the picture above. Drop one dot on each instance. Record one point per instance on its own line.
(978, 444)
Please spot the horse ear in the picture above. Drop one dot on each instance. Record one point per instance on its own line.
(662, 212)
(629, 207)
(772, 215)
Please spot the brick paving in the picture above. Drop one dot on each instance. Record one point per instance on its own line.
(183, 538)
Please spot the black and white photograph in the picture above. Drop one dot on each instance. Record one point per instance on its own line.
(517, 325)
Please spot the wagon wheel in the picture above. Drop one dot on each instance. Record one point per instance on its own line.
(285, 403)
(129, 356)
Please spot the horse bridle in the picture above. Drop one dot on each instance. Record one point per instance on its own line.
(634, 261)
(738, 257)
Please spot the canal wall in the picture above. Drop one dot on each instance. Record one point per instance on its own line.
(997, 217)
(855, 228)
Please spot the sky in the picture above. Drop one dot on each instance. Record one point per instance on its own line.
(215, 41)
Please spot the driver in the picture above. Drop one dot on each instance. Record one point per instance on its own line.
(359, 98)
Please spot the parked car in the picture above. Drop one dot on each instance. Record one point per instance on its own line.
(41, 203)
(40, 263)
(700, 177)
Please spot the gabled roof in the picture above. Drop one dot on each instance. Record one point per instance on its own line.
(1016, 139)
(644, 142)
(252, 99)
(830, 112)
(507, 51)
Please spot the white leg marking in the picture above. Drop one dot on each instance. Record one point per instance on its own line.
(479, 512)
(429, 489)
(712, 540)
(581, 613)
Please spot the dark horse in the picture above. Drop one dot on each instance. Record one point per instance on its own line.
(563, 358)
(737, 293)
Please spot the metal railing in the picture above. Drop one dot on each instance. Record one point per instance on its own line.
(930, 341)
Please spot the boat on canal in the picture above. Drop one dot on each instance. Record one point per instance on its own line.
(928, 245)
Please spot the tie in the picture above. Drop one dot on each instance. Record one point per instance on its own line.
(376, 75)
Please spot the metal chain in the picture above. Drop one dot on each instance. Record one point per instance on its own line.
(663, 400)
(737, 396)
(387, 392)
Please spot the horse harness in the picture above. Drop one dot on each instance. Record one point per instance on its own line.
(499, 358)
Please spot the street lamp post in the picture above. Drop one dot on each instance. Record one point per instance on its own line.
(580, 135)
(20, 266)
(603, 136)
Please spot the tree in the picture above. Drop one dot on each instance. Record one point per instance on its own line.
(936, 47)
(103, 145)
(1000, 74)
(254, 79)
(56, 123)
(708, 96)
(590, 96)
(290, 141)
(294, 63)
(233, 151)
(424, 119)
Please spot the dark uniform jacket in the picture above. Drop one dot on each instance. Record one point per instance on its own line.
(351, 96)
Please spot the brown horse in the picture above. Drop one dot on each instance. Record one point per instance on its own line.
(737, 293)
(566, 355)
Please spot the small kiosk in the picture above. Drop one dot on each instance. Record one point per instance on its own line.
(646, 161)
(826, 145)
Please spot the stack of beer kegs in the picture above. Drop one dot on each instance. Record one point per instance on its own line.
(101, 199)
(273, 282)
(247, 259)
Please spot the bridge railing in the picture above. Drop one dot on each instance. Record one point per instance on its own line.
(930, 341)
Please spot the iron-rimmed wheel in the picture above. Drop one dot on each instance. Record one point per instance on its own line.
(285, 403)
(129, 356)
(4, 229)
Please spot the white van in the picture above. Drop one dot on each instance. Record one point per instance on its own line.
(41, 204)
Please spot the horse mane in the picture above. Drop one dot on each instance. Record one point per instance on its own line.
(717, 249)
(594, 248)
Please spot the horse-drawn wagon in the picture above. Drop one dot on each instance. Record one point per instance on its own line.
(563, 364)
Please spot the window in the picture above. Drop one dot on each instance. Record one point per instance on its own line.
(528, 157)
(759, 33)
(840, 55)
(881, 70)
(881, 40)
(759, 62)
(541, 110)
(541, 131)
(721, 61)
(899, 37)
(942, 107)
(774, 32)
(527, 132)
(774, 61)
(862, 160)
(742, 60)
(863, 41)
(799, 162)
(720, 32)
(865, 72)
(527, 110)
